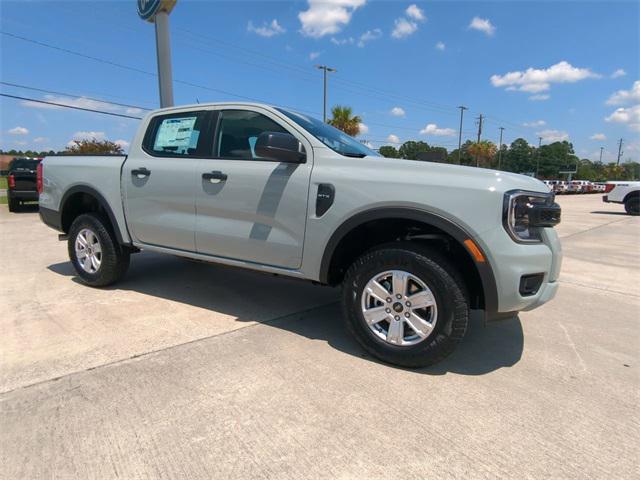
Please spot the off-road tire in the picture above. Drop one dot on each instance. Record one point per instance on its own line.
(440, 276)
(115, 258)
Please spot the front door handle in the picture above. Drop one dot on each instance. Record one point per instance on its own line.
(141, 172)
(215, 177)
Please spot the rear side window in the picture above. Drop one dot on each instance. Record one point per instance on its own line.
(238, 131)
(176, 135)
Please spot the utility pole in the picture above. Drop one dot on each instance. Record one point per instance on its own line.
(538, 156)
(479, 134)
(462, 109)
(325, 69)
(500, 148)
(620, 152)
(601, 150)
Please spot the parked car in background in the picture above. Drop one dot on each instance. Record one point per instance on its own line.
(265, 188)
(579, 186)
(22, 182)
(598, 187)
(556, 186)
(626, 193)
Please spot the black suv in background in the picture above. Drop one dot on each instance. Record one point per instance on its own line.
(22, 184)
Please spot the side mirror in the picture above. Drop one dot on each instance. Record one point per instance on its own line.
(283, 147)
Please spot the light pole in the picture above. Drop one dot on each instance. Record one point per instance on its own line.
(538, 156)
(500, 148)
(462, 109)
(601, 150)
(325, 69)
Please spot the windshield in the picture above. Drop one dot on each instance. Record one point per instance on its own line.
(330, 136)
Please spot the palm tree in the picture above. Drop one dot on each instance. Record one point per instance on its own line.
(343, 120)
(482, 150)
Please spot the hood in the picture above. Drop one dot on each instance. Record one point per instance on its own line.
(429, 173)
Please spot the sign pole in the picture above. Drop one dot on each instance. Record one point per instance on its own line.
(163, 51)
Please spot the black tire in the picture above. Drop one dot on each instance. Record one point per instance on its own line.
(440, 277)
(632, 206)
(114, 260)
(13, 204)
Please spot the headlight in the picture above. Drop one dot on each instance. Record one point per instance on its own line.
(526, 213)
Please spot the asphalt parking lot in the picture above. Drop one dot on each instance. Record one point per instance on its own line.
(187, 370)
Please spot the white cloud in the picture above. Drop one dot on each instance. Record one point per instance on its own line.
(84, 135)
(343, 41)
(403, 28)
(18, 131)
(368, 36)
(550, 136)
(598, 136)
(618, 73)
(539, 98)
(398, 112)
(327, 17)
(440, 46)
(413, 11)
(40, 140)
(628, 116)
(535, 124)
(482, 25)
(623, 97)
(433, 129)
(393, 138)
(123, 144)
(364, 129)
(267, 29)
(314, 55)
(535, 80)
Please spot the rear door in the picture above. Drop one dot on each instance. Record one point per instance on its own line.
(159, 180)
(250, 208)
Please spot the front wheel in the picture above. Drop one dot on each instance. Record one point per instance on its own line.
(94, 251)
(632, 206)
(405, 304)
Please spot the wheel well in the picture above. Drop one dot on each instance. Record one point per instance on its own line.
(368, 235)
(634, 194)
(79, 203)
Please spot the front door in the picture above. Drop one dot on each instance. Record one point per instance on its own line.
(159, 181)
(250, 208)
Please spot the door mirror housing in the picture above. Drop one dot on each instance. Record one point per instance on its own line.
(282, 147)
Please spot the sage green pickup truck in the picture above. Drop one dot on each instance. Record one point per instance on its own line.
(415, 245)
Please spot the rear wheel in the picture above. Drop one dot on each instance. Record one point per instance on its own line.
(13, 204)
(632, 206)
(95, 253)
(405, 304)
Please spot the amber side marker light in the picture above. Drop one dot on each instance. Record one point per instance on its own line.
(475, 251)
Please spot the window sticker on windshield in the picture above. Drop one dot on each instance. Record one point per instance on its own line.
(176, 132)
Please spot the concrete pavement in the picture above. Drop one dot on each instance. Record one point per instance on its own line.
(186, 370)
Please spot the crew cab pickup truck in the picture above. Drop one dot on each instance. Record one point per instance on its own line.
(21, 182)
(626, 193)
(415, 245)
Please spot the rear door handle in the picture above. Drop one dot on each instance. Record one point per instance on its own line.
(141, 172)
(215, 177)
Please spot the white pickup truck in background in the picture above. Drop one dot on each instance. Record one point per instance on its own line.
(627, 193)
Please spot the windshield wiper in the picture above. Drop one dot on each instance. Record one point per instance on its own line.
(354, 155)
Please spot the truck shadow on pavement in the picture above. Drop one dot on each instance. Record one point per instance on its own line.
(298, 307)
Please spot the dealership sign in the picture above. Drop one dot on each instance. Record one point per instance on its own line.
(147, 9)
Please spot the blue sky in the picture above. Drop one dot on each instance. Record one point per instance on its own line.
(560, 70)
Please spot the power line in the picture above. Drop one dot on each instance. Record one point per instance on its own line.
(25, 87)
(69, 106)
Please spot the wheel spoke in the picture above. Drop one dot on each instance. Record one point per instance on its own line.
(94, 262)
(96, 247)
(422, 299)
(418, 325)
(378, 291)
(82, 241)
(395, 333)
(375, 315)
(399, 282)
(86, 262)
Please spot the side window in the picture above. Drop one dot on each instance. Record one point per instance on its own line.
(175, 135)
(238, 131)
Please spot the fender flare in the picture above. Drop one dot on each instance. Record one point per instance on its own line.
(101, 200)
(484, 269)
